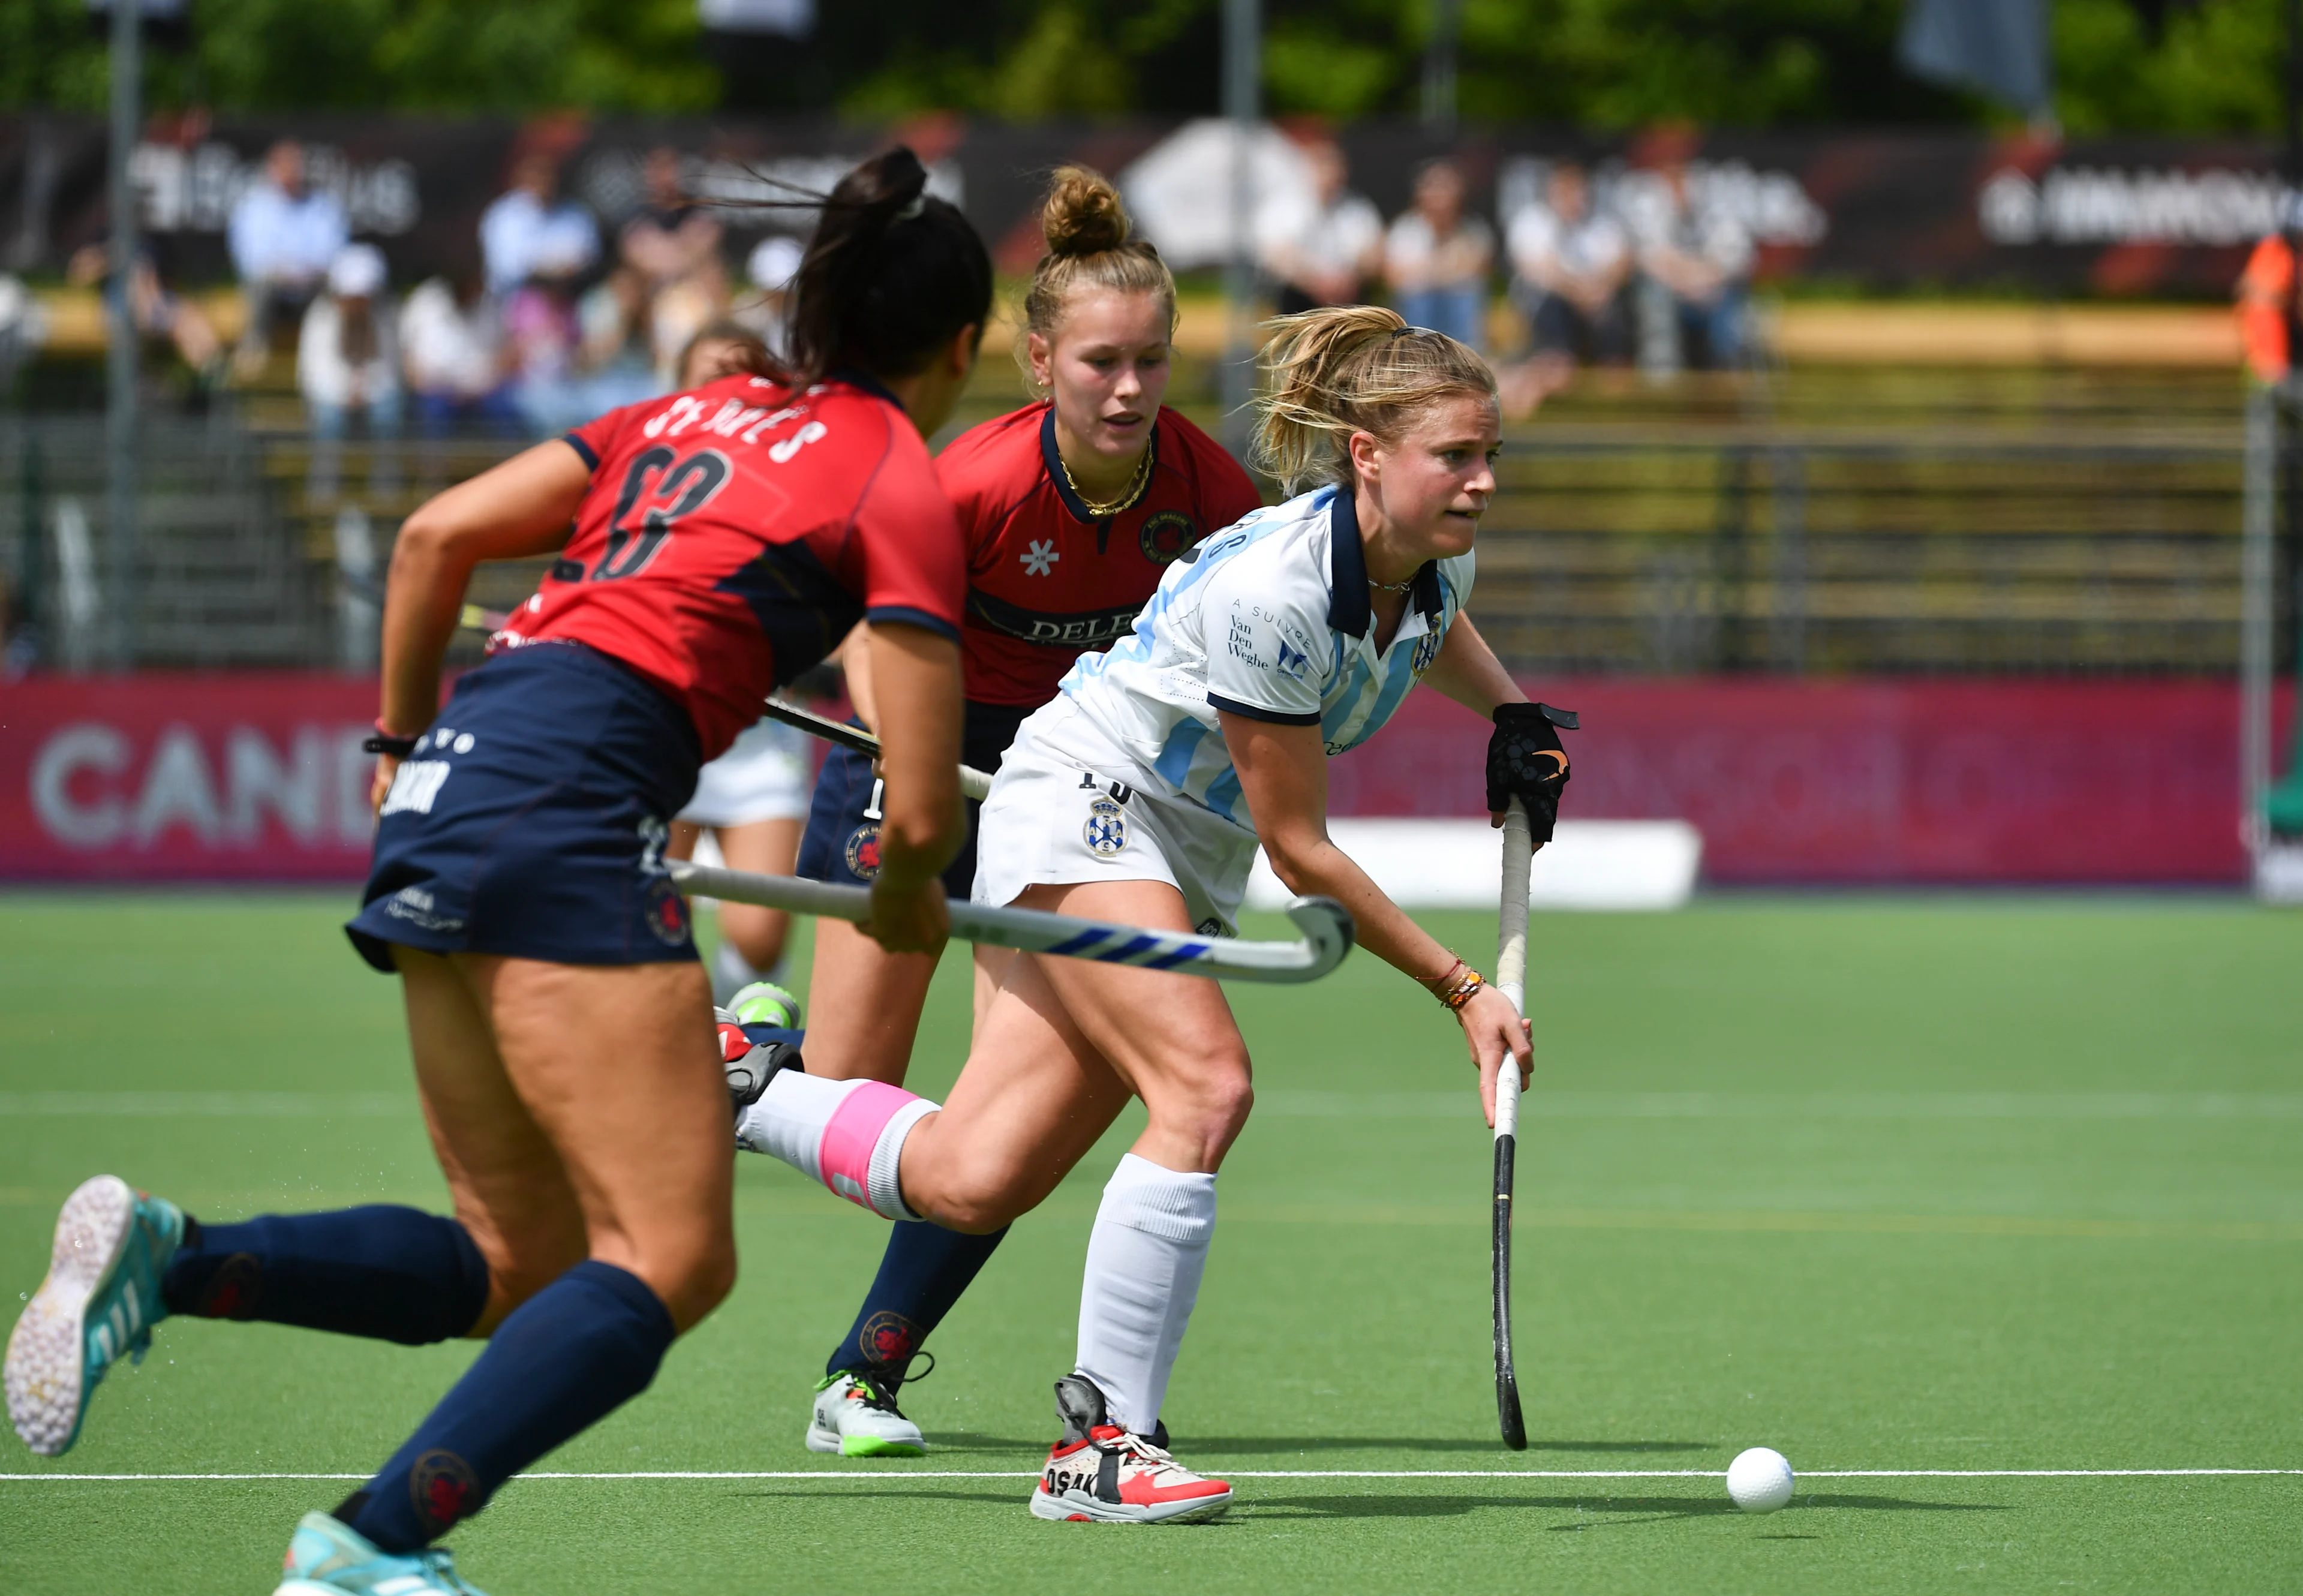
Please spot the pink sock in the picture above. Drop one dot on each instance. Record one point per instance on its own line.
(849, 1134)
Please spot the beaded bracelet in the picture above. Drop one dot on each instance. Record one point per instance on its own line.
(1454, 989)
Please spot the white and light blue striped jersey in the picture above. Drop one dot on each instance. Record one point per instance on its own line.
(1268, 618)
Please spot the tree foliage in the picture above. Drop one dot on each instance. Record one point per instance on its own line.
(2215, 66)
(448, 55)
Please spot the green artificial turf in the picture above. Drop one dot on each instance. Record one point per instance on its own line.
(1885, 1185)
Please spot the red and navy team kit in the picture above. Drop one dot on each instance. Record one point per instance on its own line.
(732, 537)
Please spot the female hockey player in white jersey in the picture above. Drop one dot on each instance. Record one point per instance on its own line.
(1138, 795)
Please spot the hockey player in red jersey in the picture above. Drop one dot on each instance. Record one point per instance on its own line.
(1071, 508)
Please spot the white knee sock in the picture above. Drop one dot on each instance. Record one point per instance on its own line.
(849, 1134)
(1144, 1259)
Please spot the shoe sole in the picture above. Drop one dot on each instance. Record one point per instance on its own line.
(1072, 1507)
(820, 1440)
(48, 1354)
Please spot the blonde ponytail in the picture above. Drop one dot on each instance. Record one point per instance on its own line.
(1346, 368)
(1091, 243)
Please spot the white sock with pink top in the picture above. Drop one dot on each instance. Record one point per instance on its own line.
(849, 1134)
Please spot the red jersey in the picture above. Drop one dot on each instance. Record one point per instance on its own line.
(733, 534)
(1046, 580)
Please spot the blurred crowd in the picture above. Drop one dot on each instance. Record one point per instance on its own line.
(547, 322)
(1647, 271)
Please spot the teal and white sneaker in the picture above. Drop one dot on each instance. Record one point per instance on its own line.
(328, 1558)
(857, 1416)
(764, 1003)
(99, 1303)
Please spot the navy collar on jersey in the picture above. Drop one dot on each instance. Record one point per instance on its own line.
(1349, 610)
(857, 377)
(1053, 457)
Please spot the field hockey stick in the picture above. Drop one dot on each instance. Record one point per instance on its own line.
(972, 783)
(1326, 926)
(1511, 980)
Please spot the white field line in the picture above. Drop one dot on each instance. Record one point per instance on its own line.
(896, 1473)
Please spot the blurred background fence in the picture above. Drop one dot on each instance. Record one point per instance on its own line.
(1860, 520)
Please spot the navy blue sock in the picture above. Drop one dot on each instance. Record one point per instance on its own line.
(396, 1274)
(559, 1363)
(921, 1276)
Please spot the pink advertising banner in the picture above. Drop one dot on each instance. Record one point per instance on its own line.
(260, 777)
(185, 778)
(1871, 782)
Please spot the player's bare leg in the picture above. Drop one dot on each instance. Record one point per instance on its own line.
(1039, 1089)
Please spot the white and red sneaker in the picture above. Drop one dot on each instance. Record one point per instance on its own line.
(1100, 1474)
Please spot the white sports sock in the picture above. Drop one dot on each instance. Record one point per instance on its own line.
(849, 1134)
(1144, 1259)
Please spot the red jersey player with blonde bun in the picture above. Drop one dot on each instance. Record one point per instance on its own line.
(711, 544)
(1072, 508)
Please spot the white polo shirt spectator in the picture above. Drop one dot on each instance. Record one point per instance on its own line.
(529, 234)
(282, 236)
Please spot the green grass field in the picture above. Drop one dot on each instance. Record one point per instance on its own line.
(1889, 1186)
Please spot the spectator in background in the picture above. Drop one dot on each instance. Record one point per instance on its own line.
(1325, 252)
(347, 359)
(616, 360)
(282, 236)
(2266, 297)
(773, 263)
(1436, 260)
(542, 336)
(1569, 265)
(673, 244)
(1698, 260)
(157, 313)
(531, 233)
(451, 353)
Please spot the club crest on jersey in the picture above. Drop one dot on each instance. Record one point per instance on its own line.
(1166, 535)
(1427, 649)
(1106, 830)
(864, 852)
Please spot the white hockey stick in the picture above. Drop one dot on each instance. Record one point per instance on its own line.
(1326, 926)
(1511, 980)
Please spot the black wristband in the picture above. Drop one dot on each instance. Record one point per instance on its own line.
(383, 742)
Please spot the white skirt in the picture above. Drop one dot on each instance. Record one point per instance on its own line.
(1069, 807)
(766, 774)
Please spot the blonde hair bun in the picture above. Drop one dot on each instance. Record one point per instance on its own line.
(1083, 214)
(1091, 244)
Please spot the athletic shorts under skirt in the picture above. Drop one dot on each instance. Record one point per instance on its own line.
(842, 843)
(532, 818)
(1070, 806)
(762, 776)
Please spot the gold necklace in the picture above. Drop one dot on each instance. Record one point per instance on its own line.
(1134, 489)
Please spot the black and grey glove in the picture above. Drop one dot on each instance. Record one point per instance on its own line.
(1526, 762)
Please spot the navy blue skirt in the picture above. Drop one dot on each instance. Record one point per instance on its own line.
(842, 842)
(532, 818)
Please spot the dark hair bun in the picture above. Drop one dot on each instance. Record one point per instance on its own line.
(1082, 215)
(891, 274)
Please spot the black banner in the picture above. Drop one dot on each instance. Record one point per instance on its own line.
(2168, 216)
